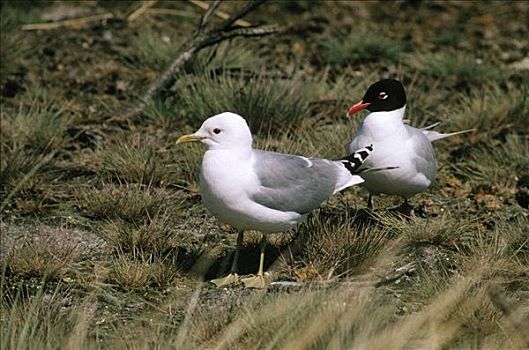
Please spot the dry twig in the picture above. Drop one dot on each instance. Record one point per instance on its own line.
(141, 10)
(202, 38)
(75, 22)
(220, 14)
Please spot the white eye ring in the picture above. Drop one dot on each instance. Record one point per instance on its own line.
(382, 95)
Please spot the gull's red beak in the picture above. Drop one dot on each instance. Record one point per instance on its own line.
(358, 107)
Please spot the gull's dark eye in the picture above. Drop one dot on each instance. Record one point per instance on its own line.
(216, 131)
(382, 95)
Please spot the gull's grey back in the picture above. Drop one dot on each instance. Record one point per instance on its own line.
(293, 183)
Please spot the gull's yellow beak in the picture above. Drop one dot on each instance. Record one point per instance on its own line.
(189, 138)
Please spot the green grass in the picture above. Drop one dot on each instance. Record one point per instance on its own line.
(460, 70)
(105, 242)
(32, 135)
(154, 50)
(38, 123)
(359, 47)
(492, 111)
(268, 105)
(129, 202)
(323, 259)
(497, 164)
(13, 48)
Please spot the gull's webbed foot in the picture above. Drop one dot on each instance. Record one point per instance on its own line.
(258, 281)
(225, 281)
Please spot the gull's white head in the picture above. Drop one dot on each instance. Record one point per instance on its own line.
(222, 131)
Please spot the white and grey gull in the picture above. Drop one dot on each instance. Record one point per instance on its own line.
(251, 189)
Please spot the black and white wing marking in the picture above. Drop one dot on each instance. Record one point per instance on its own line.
(355, 160)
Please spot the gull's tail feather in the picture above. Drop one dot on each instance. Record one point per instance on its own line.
(431, 126)
(355, 160)
(433, 135)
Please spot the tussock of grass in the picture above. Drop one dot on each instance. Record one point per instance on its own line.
(439, 231)
(359, 47)
(155, 50)
(184, 169)
(496, 164)
(154, 237)
(134, 274)
(158, 113)
(269, 106)
(339, 248)
(39, 124)
(128, 202)
(45, 322)
(18, 174)
(492, 111)
(151, 160)
(459, 70)
(132, 161)
(38, 259)
(31, 134)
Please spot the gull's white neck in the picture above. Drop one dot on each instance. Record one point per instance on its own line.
(229, 153)
(380, 125)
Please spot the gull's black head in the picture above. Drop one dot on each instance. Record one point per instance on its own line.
(383, 96)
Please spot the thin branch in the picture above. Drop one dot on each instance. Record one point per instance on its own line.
(76, 22)
(164, 80)
(200, 40)
(207, 16)
(219, 13)
(250, 6)
(141, 10)
(245, 32)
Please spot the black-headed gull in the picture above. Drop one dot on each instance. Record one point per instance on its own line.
(397, 144)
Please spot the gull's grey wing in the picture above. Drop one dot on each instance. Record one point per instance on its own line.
(424, 154)
(293, 183)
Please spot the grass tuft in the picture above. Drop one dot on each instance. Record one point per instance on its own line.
(269, 106)
(38, 259)
(359, 48)
(46, 321)
(340, 248)
(133, 161)
(491, 112)
(460, 70)
(495, 166)
(132, 274)
(154, 237)
(39, 124)
(129, 202)
(154, 50)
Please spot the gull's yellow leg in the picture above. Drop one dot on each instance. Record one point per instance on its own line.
(233, 277)
(261, 280)
(370, 202)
